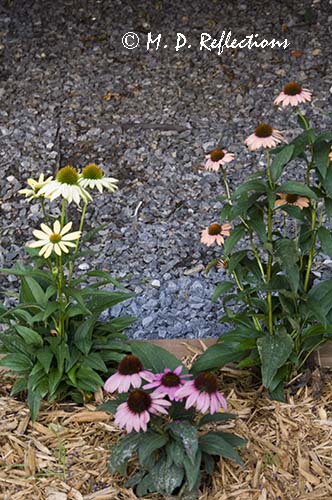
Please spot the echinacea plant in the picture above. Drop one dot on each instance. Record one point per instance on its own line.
(280, 312)
(165, 423)
(55, 341)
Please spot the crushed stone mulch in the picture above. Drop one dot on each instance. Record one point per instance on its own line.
(64, 455)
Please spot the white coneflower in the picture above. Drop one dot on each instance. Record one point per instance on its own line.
(264, 137)
(35, 186)
(67, 186)
(54, 240)
(93, 176)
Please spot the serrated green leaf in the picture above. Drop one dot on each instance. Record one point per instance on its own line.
(214, 357)
(280, 161)
(153, 357)
(294, 187)
(325, 238)
(186, 433)
(216, 417)
(214, 444)
(221, 288)
(152, 441)
(123, 451)
(274, 351)
(236, 234)
(166, 478)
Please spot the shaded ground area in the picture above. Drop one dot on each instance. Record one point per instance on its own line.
(71, 93)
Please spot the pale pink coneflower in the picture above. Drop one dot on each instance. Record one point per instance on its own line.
(167, 382)
(214, 234)
(264, 137)
(216, 158)
(292, 199)
(293, 95)
(130, 373)
(134, 414)
(203, 394)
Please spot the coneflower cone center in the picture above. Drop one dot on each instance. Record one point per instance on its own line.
(291, 198)
(92, 171)
(217, 154)
(170, 380)
(139, 401)
(130, 365)
(263, 130)
(55, 238)
(214, 229)
(292, 88)
(67, 175)
(206, 382)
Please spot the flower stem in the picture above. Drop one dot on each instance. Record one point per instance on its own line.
(269, 258)
(312, 247)
(253, 248)
(60, 293)
(71, 264)
(42, 203)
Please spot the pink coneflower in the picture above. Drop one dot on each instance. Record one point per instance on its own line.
(264, 137)
(135, 412)
(216, 158)
(167, 382)
(293, 95)
(292, 199)
(130, 373)
(215, 233)
(203, 394)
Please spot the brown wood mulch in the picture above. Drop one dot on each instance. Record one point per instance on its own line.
(63, 456)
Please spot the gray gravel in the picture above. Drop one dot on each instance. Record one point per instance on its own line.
(165, 109)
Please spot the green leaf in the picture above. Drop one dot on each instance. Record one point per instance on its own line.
(99, 300)
(45, 357)
(166, 478)
(17, 362)
(294, 187)
(54, 379)
(123, 451)
(274, 351)
(152, 441)
(153, 357)
(325, 238)
(31, 291)
(321, 157)
(175, 452)
(109, 406)
(119, 324)
(95, 361)
(34, 400)
(252, 185)
(192, 470)
(221, 288)
(216, 356)
(232, 439)
(29, 336)
(257, 223)
(88, 379)
(216, 417)
(281, 160)
(20, 385)
(287, 254)
(324, 136)
(186, 433)
(236, 234)
(214, 444)
(321, 294)
(83, 334)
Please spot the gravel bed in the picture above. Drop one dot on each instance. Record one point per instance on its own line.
(71, 94)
